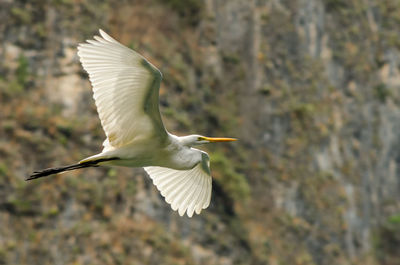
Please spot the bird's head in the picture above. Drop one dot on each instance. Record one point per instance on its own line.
(195, 139)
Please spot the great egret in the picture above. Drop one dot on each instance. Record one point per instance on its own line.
(125, 87)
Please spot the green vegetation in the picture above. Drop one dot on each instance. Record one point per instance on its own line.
(382, 92)
(394, 219)
(3, 169)
(189, 10)
(22, 72)
(15, 83)
(22, 15)
(233, 183)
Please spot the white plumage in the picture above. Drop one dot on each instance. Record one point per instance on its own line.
(121, 80)
(125, 89)
(185, 190)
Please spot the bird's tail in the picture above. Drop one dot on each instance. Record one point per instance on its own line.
(55, 170)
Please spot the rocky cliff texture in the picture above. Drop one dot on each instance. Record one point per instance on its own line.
(311, 88)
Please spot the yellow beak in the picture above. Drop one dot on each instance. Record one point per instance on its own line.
(216, 139)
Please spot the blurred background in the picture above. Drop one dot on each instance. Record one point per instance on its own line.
(310, 87)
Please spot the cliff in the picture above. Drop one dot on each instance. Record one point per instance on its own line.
(310, 87)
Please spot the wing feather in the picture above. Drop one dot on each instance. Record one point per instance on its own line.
(186, 190)
(181, 194)
(125, 89)
(190, 194)
(196, 201)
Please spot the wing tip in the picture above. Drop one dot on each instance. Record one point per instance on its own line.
(107, 37)
(96, 38)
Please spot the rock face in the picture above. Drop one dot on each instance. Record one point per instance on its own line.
(311, 88)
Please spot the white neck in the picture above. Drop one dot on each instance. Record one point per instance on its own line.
(186, 157)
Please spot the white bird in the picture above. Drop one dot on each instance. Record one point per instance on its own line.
(125, 89)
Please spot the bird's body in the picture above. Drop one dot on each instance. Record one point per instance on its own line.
(125, 89)
(172, 153)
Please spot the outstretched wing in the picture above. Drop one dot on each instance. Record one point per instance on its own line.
(186, 190)
(125, 87)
